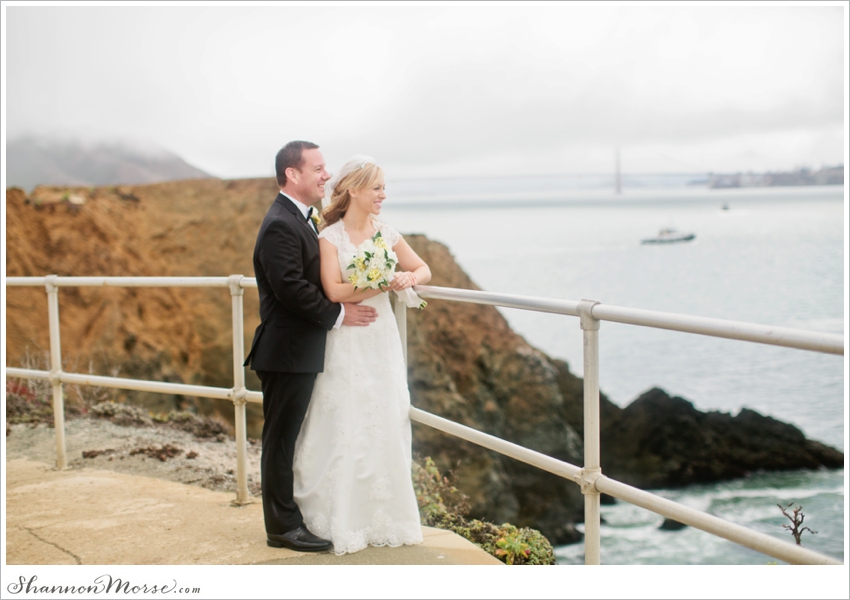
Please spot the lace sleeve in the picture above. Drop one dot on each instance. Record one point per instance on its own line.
(389, 233)
(333, 233)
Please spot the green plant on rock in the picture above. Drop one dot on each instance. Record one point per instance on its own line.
(434, 491)
(512, 548)
(443, 506)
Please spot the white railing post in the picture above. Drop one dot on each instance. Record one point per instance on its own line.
(56, 370)
(400, 310)
(238, 394)
(592, 469)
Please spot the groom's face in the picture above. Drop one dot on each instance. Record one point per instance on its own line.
(309, 181)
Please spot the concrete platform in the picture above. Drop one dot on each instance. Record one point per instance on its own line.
(96, 517)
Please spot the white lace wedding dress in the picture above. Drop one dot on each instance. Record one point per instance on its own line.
(353, 454)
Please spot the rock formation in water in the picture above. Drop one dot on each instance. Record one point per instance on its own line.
(465, 363)
(661, 441)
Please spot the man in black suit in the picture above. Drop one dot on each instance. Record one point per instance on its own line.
(289, 345)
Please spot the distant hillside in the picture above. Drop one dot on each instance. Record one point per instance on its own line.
(33, 161)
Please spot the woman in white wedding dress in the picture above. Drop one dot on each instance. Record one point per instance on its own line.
(353, 454)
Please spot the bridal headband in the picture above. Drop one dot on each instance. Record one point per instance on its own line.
(355, 163)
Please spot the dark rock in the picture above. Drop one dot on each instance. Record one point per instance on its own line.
(660, 440)
(671, 525)
(163, 452)
(96, 453)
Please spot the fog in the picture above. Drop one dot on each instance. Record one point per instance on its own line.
(446, 90)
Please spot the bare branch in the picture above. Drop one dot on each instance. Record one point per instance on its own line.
(796, 519)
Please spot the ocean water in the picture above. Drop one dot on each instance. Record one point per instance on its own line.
(775, 256)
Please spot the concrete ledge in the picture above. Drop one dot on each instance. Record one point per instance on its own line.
(95, 517)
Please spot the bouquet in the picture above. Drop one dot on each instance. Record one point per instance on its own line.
(374, 265)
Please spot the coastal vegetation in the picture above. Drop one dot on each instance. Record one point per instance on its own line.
(443, 506)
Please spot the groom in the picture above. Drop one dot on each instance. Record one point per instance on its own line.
(289, 345)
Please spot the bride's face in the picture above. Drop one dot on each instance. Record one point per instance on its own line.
(369, 199)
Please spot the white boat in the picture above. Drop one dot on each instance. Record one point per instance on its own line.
(668, 235)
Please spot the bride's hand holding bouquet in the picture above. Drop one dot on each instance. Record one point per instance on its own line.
(374, 266)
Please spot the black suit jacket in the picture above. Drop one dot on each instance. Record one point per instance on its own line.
(294, 312)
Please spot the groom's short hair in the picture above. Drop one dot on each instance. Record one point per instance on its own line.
(290, 156)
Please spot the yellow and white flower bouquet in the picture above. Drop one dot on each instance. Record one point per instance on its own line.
(374, 265)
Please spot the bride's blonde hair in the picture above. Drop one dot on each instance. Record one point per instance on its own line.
(364, 177)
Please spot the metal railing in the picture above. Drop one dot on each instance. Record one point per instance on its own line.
(590, 313)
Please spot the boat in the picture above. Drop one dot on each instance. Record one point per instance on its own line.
(668, 235)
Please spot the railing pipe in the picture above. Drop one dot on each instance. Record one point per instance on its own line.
(19, 373)
(140, 385)
(754, 540)
(128, 281)
(765, 334)
(25, 281)
(561, 307)
(239, 418)
(254, 397)
(56, 370)
(541, 461)
(827, 343)
(592, 468)
(246, 282)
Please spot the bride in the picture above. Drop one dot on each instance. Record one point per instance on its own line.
(353, 454)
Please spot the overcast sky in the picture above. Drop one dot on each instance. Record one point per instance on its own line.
(442, 90)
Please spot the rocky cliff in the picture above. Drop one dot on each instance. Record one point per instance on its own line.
(661, 441)
(465, 363)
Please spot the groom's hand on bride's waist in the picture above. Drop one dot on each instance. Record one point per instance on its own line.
(357, 315)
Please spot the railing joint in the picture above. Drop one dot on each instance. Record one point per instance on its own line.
(239, 396)
(587, 480)
(50, 283)
(585, 313)
(235, 284)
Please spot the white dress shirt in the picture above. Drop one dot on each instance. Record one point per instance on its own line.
(304, 210)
